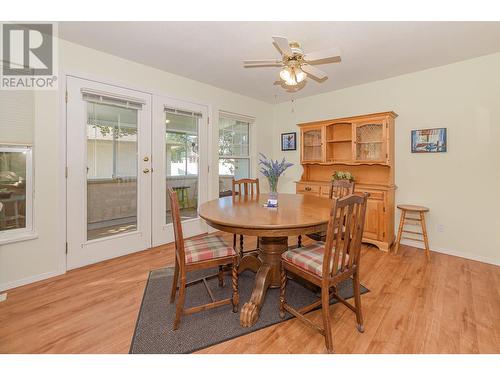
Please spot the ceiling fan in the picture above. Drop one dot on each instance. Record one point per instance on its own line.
(296, 65)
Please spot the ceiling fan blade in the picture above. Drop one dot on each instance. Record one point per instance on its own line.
(332, 53)
(283, 45)
(268, 62)
(313, 71)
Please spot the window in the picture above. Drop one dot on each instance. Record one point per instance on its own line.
(16, 195)
(234, 151)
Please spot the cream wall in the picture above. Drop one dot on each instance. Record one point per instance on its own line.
(461, 186)
(28, 261)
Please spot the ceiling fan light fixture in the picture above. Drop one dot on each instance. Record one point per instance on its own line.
(299, 75)
(289, 76)
(285, 74)
(296, 64)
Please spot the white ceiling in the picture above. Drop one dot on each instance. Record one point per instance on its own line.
(212, 52)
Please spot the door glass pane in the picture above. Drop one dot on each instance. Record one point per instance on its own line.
(182, 157)
(111, 170)
(369, 142)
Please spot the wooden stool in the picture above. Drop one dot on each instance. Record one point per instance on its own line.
(412, 209)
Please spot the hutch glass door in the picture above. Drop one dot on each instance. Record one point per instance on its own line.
(370, 142)
(313, 146)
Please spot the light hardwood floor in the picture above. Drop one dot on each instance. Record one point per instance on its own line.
(450, 305)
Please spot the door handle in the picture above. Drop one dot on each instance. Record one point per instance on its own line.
(145, 170)
(146, 158)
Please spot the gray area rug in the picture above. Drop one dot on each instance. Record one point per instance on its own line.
(153, 331)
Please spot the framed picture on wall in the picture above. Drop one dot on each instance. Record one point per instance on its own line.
(428, 140)
(288, 141)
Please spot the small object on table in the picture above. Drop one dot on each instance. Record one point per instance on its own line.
(420, 219)
(271, 203)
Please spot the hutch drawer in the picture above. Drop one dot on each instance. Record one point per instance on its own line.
(304, 188)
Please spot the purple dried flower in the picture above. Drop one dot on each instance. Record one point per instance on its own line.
(273, 169)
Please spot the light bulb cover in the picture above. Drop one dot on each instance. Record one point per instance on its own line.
(299, 75)
(285, 74)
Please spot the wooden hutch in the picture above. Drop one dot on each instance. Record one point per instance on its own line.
(364, 146)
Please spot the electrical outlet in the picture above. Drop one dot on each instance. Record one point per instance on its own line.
(440, 228)
(3, 297)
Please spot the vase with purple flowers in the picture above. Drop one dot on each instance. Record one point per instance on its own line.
(272, 170)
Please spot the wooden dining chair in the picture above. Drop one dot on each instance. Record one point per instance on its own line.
(338, 189)
(246, 186)
(202, 253)
(327, 264)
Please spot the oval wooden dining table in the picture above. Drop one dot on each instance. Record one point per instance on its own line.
(296, 214)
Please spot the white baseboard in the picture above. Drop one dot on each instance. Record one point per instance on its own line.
(28, 280)
(469, 256)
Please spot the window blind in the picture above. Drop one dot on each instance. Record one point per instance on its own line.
(17, 117)
(101, 97)
(237, 117)
(183, 112)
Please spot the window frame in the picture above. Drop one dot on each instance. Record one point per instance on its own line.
(28, 232)
(249, 121)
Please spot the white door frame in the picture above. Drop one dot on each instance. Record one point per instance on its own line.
(81, 251)
(163, 232)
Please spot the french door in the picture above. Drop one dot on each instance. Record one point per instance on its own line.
(180, 149)
(109, 179)
(124, 148)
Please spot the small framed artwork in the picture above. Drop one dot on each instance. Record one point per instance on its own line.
(428, 140)
(288, 141)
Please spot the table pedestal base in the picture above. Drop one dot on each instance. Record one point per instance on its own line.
(267, 266)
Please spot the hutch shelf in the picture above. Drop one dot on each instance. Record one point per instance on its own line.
(364, 146)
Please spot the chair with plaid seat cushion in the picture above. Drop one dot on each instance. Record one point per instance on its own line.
(326, 264)
(207, 248)
(197, 254)
(310, 257)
